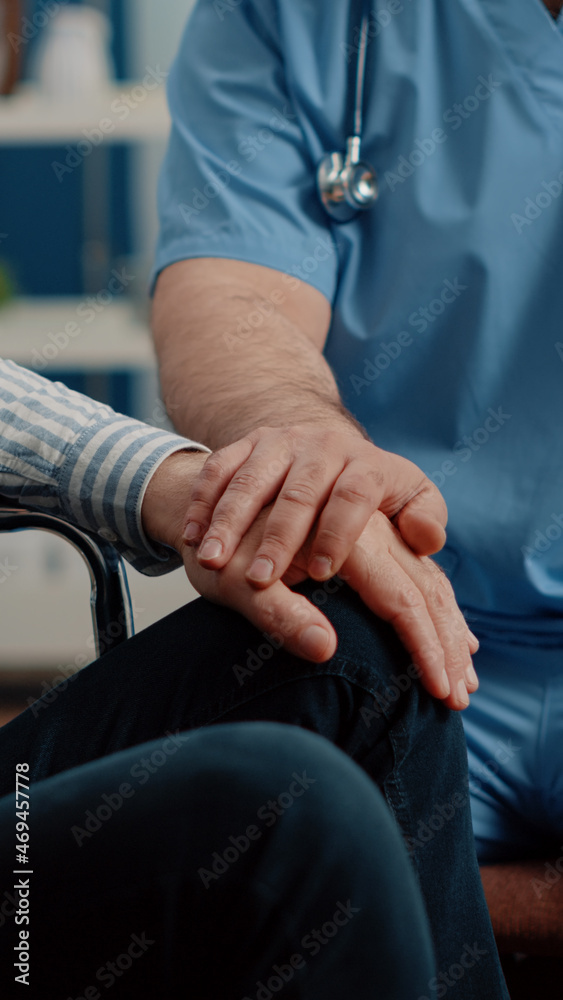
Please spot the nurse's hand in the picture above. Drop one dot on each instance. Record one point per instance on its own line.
(407, 590)
(326, 484)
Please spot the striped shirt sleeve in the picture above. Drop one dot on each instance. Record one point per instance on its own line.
(65, 454)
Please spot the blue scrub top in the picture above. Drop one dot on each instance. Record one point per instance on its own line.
(447, 334)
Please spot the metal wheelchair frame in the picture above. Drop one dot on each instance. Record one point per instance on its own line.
(110, 601)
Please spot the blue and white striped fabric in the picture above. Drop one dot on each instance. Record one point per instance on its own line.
(65, 454)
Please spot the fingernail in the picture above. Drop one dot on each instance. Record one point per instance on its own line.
(462, 694)
(210, 549)
(314, 641)
(471, 676)
(261, 569)
(192, 531)
(320, 566)
(444, 685)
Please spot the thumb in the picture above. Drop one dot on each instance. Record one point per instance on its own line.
(415, 506)
(422, 532)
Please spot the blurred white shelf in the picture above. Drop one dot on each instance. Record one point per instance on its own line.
(27, 117)
(45, 620)
(36, 333)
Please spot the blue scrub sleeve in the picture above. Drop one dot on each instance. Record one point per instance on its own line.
(238, 180)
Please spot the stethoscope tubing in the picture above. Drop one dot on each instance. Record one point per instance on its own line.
(347, 185)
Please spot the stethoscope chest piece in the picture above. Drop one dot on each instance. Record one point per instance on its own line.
(346, 186)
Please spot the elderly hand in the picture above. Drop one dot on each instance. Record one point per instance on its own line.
(404, 588)
(408, 591)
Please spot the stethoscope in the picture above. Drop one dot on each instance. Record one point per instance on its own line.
(346, 184)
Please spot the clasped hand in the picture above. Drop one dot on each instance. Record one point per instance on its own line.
(286, 503)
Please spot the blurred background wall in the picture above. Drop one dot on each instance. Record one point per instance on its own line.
(64, 230)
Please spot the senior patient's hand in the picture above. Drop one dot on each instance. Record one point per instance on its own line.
(413, 594)
(277, 610)
(405, 589)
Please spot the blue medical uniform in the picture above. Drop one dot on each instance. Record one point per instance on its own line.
(447, 299)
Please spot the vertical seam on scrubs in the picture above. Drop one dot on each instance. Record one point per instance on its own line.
(551, 802)
(539, 763)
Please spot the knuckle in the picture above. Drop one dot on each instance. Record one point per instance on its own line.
(246, 482)
(429, 652)
(222, 523)
(411, 599)
(270, 619)
(328, 538)
(303, 437)
(278, 619)
(414, 499)
(213, 470)
(248, 439)
(301, 494)
(316, 471)
(352, 491)
(441, 594)
(376, 477)
(408, 599)
(417, 491)
(257, 433)
(293, 437)
(200, 496)
(274, 542)
(427, 493)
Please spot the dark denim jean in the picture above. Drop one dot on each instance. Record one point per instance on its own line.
(163, 854)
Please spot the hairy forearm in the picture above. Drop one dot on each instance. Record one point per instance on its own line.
(239, 348)
(233, 360)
